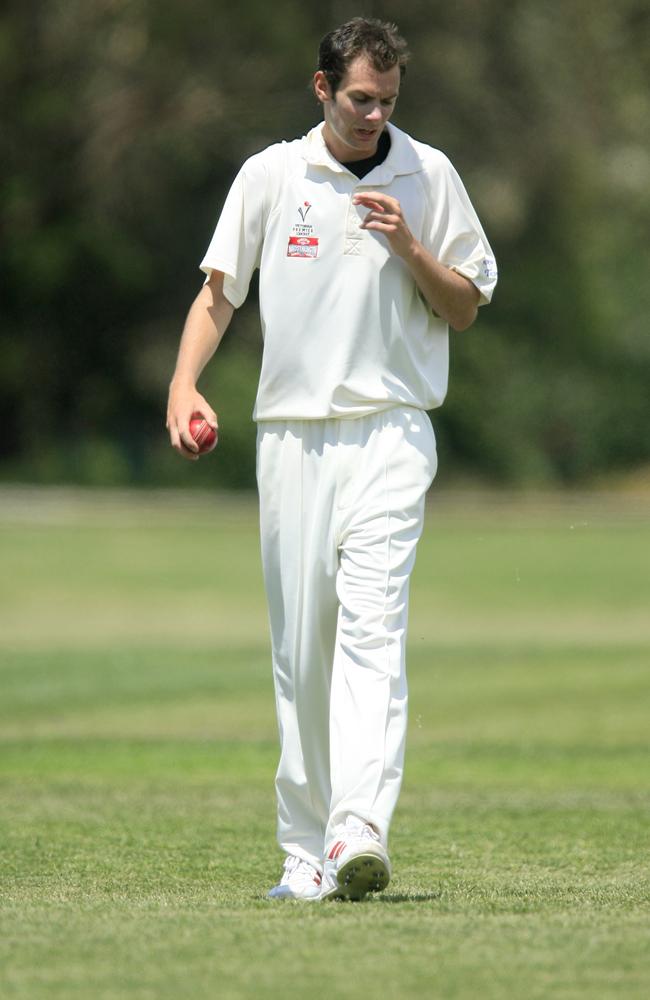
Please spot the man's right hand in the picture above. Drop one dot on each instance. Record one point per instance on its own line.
(185, 400)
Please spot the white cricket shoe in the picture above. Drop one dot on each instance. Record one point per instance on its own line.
(355, 864)
(300, 880)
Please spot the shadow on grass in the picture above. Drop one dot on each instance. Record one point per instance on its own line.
(408, 897)
(396, 897)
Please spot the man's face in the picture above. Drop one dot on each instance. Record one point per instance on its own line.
(357, 114)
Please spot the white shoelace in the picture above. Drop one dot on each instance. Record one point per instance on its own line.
(298, 872)
(359, 831)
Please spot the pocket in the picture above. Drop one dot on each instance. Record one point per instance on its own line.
(422, 436)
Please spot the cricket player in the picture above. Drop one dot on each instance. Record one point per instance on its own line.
(369, 250)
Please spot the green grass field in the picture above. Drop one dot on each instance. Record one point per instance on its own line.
(138, 746)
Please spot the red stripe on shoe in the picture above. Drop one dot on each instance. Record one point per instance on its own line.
(338, 847)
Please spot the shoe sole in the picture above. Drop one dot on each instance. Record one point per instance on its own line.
(360, 875)
(293, 895)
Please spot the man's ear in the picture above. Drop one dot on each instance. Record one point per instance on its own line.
(322, 88)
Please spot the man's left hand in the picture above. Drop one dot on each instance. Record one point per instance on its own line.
(385, 216)
(452, 296)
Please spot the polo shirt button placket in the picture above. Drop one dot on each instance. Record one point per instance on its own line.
(353, 233)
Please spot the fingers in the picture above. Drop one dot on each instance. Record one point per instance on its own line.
(391, 225)
(185, 453)
(208, 414)
(187, 442)
(179, 413)
(183, 405)
(387, 223)
(385, 216)
(377, 201)
(182, 441)
(203, 409)
(374, 206)
(379, 196)
(385, 213)
(181, 438)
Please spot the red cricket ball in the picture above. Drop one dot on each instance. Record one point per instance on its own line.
(203, 434)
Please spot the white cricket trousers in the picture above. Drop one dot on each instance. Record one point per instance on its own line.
(341, 512)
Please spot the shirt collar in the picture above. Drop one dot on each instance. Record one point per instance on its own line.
(402, 157)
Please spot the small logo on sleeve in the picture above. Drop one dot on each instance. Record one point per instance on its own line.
(489, 268)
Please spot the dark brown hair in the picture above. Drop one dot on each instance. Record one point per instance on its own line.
(380, 41)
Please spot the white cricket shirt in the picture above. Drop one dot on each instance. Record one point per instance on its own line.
(346, 330)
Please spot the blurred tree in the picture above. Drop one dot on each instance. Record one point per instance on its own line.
(124, 122)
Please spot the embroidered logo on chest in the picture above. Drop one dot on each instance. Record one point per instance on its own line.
(302, 241)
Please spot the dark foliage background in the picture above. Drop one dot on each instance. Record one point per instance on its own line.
(124, 122)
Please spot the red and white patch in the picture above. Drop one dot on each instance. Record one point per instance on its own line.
(302, 246)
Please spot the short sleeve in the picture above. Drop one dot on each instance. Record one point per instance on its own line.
(236, 245)
(456, 237)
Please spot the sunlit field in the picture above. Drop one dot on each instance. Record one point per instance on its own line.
(138, 746)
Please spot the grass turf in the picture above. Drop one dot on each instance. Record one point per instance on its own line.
(138, 747)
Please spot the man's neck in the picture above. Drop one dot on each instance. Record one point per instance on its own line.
(368, 163)
(341, 151)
